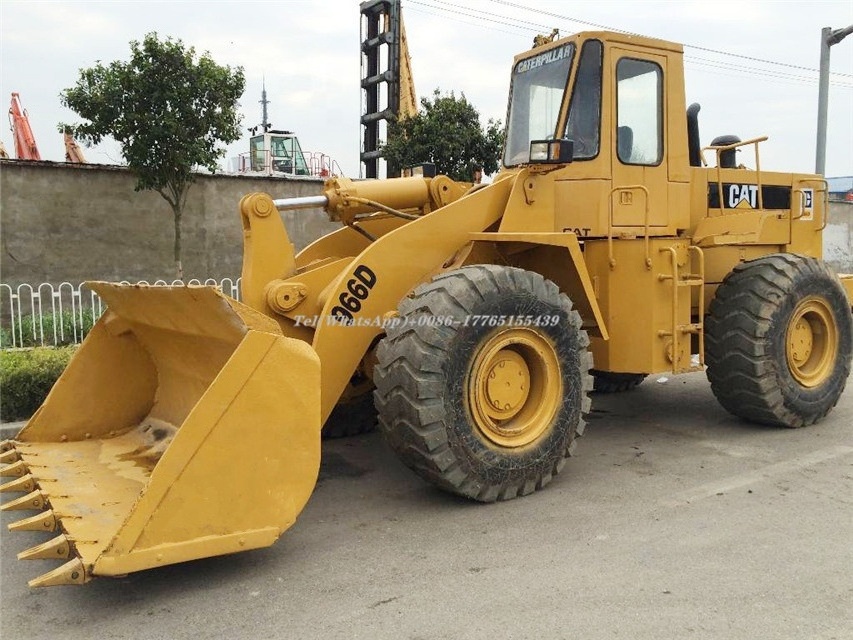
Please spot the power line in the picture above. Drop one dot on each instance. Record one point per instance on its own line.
(443, 8)
(767, 76)
(447, 7)
(550, 14)
(764, 73)
(522, 27)
(475, 24)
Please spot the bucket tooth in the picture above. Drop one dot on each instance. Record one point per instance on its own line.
(14, 470)
(33, 500)
(6, 445)
(25, 483)
(72, 572)
(9, 456)
(42, 522)
(59, 548)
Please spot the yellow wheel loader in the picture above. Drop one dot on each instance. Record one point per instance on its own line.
(607, 248)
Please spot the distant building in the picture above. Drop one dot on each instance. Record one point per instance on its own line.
(841, 189)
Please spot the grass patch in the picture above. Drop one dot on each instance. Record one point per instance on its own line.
(26, 377)
(65, 328)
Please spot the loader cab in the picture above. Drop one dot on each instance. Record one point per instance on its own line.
(620, 100)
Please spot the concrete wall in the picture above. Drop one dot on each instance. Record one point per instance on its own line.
(838, 237)
(70, 223)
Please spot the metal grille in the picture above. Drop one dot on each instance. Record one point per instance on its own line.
(59, 314)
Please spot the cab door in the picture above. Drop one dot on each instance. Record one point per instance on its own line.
(639, 158)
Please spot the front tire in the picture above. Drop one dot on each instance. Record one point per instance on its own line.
(482, 408)
(778, 340)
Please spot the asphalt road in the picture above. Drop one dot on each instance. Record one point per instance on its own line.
(674, 520)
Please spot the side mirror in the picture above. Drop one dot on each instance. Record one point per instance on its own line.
(558, 151)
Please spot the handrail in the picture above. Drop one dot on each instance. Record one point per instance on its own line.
(317, 164)
(700, 254)
(719, 149)
(800, 191)
(691, 280)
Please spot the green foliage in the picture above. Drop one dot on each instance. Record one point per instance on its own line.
(29, 332)
(446, 132)
(169, 112)
(26, 377)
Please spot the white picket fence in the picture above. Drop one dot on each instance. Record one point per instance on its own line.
(53, 315)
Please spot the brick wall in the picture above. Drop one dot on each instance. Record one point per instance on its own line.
(70, 223)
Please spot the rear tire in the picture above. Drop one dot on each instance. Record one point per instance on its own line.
(351, 418)
(609, 382)
(778, 340)
(486, 412)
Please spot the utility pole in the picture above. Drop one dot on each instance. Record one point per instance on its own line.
(828, 37)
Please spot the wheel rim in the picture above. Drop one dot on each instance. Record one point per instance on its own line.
(514, 388)
(811, 342)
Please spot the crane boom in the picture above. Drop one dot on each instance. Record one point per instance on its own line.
(408, 103)
(25, 142)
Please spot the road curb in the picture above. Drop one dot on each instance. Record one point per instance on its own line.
(9, 430)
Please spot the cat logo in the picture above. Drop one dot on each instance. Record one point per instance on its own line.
(743, 196)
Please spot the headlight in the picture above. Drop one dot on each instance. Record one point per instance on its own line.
(551, 151)
(539, 151)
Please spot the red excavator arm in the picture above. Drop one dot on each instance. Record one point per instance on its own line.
(25, 143)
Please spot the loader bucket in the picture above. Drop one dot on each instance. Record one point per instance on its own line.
(185, 426)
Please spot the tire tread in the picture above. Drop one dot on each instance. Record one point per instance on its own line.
(408, 392)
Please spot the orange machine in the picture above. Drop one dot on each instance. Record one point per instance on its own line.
(25, 143)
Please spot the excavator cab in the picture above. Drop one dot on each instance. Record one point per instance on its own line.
(277, 152)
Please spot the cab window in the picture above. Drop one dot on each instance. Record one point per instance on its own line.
(584, 123)
(639, 112)
(538, 84)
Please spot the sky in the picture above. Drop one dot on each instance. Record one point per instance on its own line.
(752, 65)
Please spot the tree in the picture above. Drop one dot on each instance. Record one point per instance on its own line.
(446, 132)
(168, 111)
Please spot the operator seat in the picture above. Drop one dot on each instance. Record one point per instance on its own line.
(624, 143)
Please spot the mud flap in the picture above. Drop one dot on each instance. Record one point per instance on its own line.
(186, 426)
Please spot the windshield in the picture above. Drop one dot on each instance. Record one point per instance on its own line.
(584, 123)
(538, 83)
